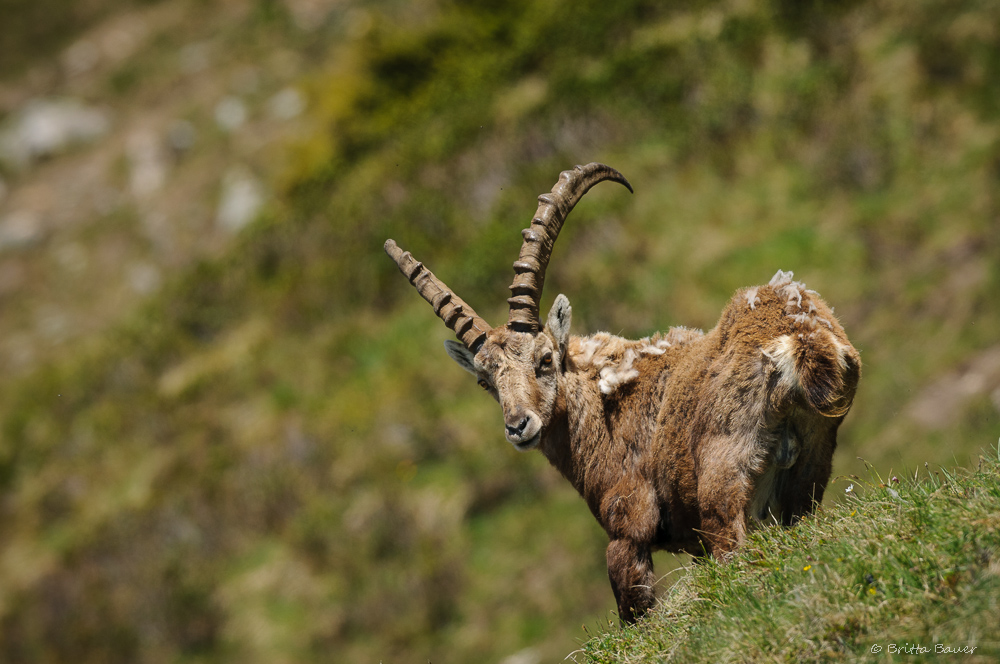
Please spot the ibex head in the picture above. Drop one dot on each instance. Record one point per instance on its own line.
(519, 363)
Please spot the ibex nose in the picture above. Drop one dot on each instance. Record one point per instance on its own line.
(516, 430)
(516, 421)
(522, 427)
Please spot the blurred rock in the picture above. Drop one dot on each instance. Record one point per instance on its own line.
(230, 113)
(287, 104)
(940, 404)
(160, 229)
(309, 15)
(285, 63)
(52, 323)
(45, 127)
(526, 656)
(20, 229)
(143, 278)
(195, 58)
(81, 57)
(105, 200)
(147, 163)
(246, 80)
(20, 351)
(123, 40)
(241, 199)
(181, 136)
(359, 23)
(12, 276)
(72, 257)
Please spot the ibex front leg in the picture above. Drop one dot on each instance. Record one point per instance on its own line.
(630, 569)
(630, 516)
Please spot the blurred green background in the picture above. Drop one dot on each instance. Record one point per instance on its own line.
(229, 429)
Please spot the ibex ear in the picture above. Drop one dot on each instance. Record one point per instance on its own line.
(560, 316)
(462, 355)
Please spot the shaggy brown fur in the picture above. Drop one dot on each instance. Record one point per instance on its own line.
(681, 441)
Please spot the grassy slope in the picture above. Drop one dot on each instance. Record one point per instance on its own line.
(273, 461)
(901, 567)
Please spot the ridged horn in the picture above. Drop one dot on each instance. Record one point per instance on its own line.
(456, 314)
(539, 238)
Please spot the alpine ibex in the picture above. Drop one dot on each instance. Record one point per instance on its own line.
(679, 441)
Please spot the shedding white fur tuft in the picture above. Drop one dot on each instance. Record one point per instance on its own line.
(614, 377)
(781, 278)
(657, 345)
(803, 319)
(588, 350)
(794, 295)
(752, 299)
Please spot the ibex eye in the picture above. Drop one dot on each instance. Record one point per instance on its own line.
(483, 384)
(547, 360)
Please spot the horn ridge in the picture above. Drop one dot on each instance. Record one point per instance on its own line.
(540, 237)
(456, 314)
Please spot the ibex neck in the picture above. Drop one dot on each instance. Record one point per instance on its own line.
(603, 406)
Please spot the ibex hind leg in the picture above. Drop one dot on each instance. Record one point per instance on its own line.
(730, 469)
(789, 444)
(798, 469)
(785, 444)
(802, 485)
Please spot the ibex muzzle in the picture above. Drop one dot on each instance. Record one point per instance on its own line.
(680, 441)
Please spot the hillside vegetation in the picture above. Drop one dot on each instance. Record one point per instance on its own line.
(271, 459)
(902, 567)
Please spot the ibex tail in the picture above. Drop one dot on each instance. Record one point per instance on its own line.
(815, 354)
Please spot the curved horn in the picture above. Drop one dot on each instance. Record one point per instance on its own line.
(456, 314)
(526, 291)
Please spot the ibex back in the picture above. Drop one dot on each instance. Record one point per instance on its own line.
(679, 441)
